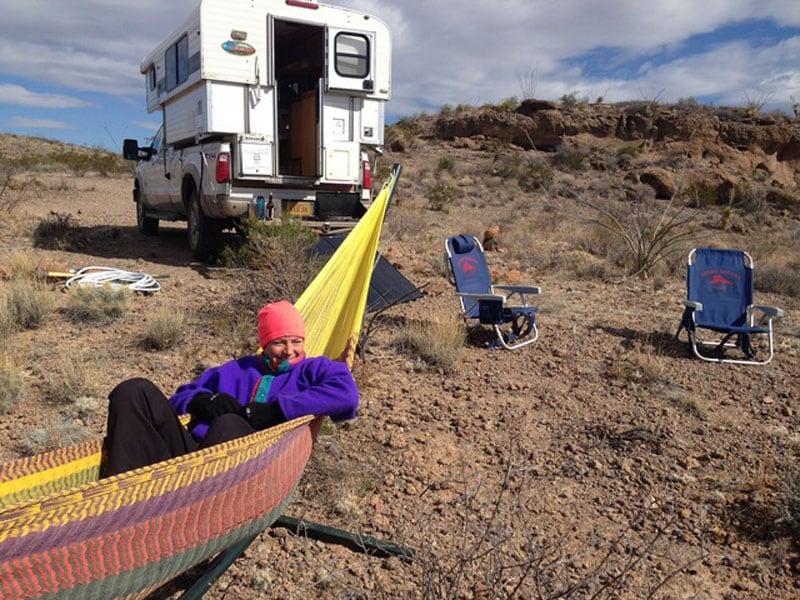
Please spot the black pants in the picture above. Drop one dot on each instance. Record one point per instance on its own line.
(143, 429)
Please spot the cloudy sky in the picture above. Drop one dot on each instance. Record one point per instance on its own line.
(69, 69)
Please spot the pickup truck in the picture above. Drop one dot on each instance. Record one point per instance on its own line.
(197, 183)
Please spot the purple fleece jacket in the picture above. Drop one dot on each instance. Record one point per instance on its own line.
(314, 386)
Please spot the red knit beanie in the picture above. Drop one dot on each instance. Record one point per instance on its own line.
(279, 319)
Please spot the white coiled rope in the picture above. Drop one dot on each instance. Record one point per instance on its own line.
(100, 276)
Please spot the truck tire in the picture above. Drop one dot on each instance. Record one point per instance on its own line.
(147, 225)
(202, 231)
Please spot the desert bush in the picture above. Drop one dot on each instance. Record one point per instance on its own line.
(97, 304)
(629, 150)
(687, 402)
(508, 105)
(701, 194)
(647, 233)
(535, 175)
(165, 328)
(778, 278)
(438, 343)
(507, 166)
(281, 253)
(12, 381)
(446, 162)
(26, 305)
(403, 223)
(24, 265)
(75, 377)
(639, 369)
(53, 231)
(570, 157)
(60, 434)
(789, 500)
(441, 196)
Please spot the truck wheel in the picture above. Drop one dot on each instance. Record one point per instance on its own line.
(147, 225)
(202, 233)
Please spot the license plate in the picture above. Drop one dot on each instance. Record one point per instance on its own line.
(299, 209)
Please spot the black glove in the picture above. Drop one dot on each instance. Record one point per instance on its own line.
(207, 407)
(261, 415)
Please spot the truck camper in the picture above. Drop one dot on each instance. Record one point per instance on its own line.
(268, 107)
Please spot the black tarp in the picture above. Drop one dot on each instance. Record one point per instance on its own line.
(388, 285)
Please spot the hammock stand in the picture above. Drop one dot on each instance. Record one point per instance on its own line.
(65, 534)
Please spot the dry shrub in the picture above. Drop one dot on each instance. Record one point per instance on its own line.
(646, 234)
(687, 402)
(54, 232)
(639, 369)
(165, 328)
(98, 304)
(280, 252)
(404, 223)
(23, 264)
(60, 434)
(12, 382)
(25, 305)
(438, 343)
(789, 501)
(779, 278)
(75, 377)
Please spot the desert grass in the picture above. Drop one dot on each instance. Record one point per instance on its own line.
(59, 434)
(25, 265)
(76, 376)
(439, 343)
(165, 328)
(25, 304)
(97, 305)
(12, 381)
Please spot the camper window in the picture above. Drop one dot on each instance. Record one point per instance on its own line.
(352, 55)
(176, 61)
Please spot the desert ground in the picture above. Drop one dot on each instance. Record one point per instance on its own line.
(602, 461)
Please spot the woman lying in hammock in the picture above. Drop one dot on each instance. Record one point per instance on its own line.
(229, 401)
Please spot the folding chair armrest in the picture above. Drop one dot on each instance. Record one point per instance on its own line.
(478, 297)
(770, 311)
(694, 305)
(519, 289)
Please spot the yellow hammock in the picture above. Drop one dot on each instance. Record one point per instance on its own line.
(65, 534)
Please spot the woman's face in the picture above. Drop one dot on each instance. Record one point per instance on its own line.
(291, 348)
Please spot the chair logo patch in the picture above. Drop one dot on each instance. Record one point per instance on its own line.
(467, 265)
(720, 279)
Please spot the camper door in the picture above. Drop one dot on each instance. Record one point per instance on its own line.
(349, 61)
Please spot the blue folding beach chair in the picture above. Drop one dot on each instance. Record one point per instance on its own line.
(720, 299)
(488, 304)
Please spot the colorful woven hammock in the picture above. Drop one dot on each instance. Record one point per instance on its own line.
(64, 534)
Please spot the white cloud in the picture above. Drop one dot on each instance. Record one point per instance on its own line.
(38, 123)
(16, 94)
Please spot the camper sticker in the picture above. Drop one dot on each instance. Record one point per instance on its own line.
(238, 48)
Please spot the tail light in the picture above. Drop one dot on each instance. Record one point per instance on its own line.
(366, 173)
(223, 167)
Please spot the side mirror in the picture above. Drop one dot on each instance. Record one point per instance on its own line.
(130, 150)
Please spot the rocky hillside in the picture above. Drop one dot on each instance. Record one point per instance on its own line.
(708, 152)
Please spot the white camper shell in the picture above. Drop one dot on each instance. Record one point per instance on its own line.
(288, 94)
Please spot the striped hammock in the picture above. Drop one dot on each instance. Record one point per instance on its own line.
(64, 534)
